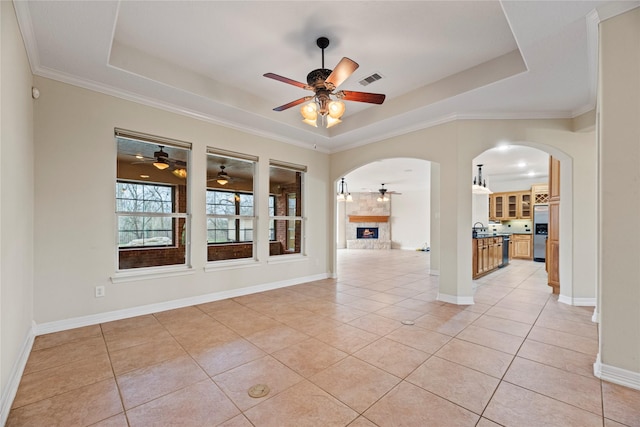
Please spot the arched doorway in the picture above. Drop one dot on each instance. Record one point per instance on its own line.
(520, 166)
(406, 185)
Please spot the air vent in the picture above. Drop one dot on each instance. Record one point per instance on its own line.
(372, 78)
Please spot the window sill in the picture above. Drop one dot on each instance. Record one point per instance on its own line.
(230, 264)
(150, 273)
(280, 259)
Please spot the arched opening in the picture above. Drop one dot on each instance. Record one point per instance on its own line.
(391, 200)
(510, 169)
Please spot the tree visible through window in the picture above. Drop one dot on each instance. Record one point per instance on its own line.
(230, 205)
(237, 223)
(144, 230)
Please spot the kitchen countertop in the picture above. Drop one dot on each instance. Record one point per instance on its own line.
(484, 235)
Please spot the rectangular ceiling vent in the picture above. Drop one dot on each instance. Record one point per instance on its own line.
(372, 78)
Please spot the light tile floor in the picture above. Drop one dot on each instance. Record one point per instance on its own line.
(336, 353)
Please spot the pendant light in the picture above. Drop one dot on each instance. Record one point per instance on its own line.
(480, 185)
(343, 192)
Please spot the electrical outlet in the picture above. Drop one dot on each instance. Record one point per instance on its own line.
(100, 291)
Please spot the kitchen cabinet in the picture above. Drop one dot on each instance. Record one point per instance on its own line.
(524, 204)
(552, 259)
(497, 206)
(540, 194)
(522, 246)
(510, 249)
(487, 255)
(511, 205)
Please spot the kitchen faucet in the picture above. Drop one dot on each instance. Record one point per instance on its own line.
(475, 232)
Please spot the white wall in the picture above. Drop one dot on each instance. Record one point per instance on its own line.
(74, 207)
(480, 209)
(16, 207)
(517, 185)
(410, 219)
(619, 126)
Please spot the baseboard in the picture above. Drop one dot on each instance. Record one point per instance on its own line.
(454, 299)
(94, 319)
(578, 302)
(615, 375)
(9, 392)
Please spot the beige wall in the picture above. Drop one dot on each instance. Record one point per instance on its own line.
(16, 206)
(453, 146)
(619, 126)
(74, 205)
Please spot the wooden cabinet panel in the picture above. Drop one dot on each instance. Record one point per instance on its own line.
(497, 206)
(512, 206)
(510, 249)
(522, 246)
(554, 179)
(524, 205)
(553, 240)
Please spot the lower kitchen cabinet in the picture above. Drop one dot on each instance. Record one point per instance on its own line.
(522, 246)
(487, 255)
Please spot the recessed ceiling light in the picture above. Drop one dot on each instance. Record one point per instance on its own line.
(522, 164)
(532, 173)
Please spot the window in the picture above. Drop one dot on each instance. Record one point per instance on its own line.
(230, 205)
(138, 230)
(151, 201)
(231, 217)
(285, 208)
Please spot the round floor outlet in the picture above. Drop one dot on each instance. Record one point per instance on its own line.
(259, 390)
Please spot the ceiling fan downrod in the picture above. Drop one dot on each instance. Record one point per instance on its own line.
(322, 43)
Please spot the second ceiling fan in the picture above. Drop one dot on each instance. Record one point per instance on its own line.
(324, 82)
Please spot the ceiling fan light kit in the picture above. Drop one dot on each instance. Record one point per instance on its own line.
(324, 82)
(222, 178)
(161, 164)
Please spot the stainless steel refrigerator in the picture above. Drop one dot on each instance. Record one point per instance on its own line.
(540, 231)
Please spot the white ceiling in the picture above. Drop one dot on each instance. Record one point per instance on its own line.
(439, 59)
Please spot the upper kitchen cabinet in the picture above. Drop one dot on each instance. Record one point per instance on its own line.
(511, 205)
(540, 194)
(524, 204)
(497, 206)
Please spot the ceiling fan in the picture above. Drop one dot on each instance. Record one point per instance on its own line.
(383, 193)
(222, 177)
(323, 82)
(162, 161)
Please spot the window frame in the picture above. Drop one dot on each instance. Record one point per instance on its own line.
(213, 261)
(181, 214)
(302, 170)
(143, 214)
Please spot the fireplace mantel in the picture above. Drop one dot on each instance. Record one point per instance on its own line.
(368, 218)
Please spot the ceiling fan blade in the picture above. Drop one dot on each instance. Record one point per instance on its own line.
(343, 70)
(293, 103)
(285, 80)
(371, 98)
